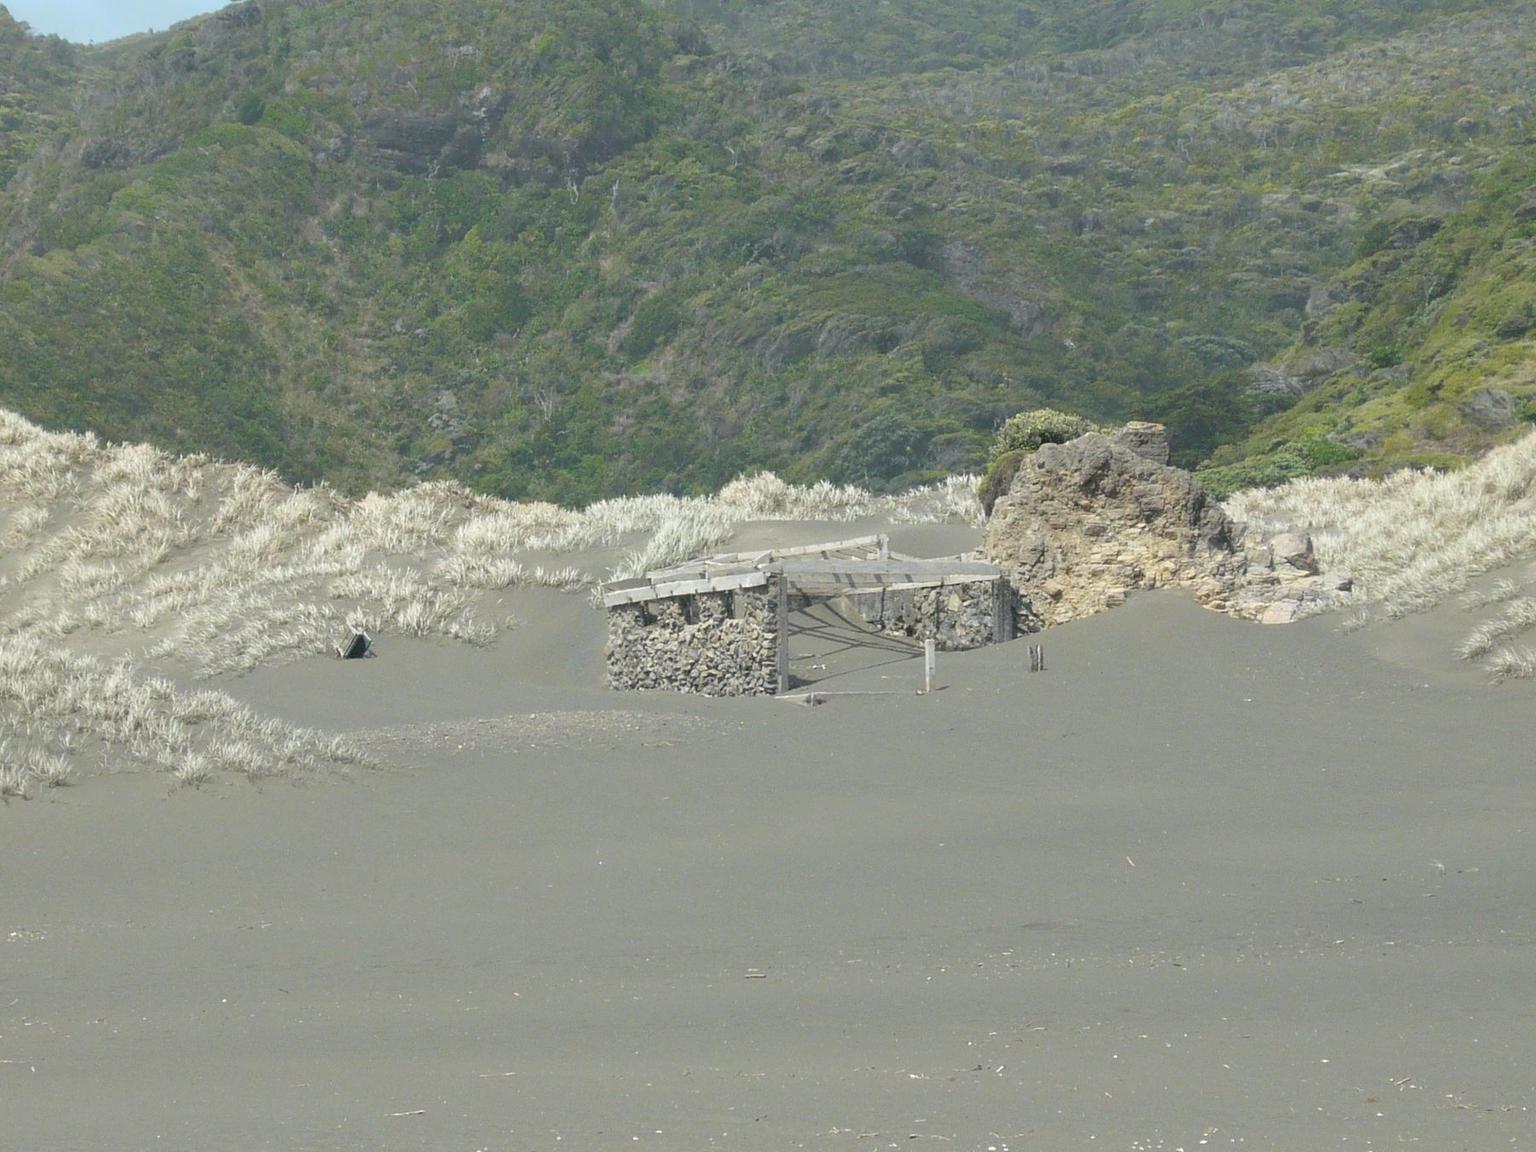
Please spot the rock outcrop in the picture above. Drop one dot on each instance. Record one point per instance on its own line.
(1087, 522)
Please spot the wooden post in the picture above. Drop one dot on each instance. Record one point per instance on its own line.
(782, 660)
(930, 663)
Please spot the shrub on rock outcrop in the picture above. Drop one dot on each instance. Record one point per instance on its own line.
(1028, 430)
(1017, 438)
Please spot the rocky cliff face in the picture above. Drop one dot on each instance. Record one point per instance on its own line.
(1087, 522)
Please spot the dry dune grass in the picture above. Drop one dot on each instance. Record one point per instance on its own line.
(57, 706)
(221, 567)
(1416, 538)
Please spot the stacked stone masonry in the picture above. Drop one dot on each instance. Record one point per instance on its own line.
(713, 644)
(957, 617)
(727, 643)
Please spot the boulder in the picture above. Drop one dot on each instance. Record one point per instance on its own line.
(1491, 409)
(1085, 521)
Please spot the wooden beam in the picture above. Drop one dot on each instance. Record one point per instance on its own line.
(699, 570)
(916, 569)
(808, 570)
(673, 588)
(769, 555)
(625, 585)
(915, 586)
(831, 576)
(782, 657)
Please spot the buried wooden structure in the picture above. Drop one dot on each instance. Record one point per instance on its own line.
(358, 645)
(720, 625)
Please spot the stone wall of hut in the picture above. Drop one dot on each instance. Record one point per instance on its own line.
(714, 644)
(957, 617)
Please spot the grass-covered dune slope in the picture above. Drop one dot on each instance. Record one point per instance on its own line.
(566, 249)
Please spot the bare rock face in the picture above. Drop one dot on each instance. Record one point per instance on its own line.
(1149, 441)
(1087, 522)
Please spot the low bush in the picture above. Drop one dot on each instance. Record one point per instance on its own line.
(1028, 430)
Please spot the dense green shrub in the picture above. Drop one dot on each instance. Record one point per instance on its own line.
(1028, 430)
(1308, 456)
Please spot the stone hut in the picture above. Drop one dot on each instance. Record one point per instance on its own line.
(720, 626)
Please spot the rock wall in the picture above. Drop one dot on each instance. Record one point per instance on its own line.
(714, 644)
(1086, 522)
(957, 617)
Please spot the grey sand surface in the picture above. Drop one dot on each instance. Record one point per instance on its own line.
(1202, 884)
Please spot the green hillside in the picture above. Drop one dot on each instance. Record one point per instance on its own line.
(1419, 352)
(568, 248)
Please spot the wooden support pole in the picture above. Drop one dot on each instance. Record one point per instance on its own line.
(782, 660)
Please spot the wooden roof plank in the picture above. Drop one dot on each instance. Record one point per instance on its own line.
(668, 590)
(921, 569)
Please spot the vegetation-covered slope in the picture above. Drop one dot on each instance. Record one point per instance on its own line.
(1418, 352)
(569, 248)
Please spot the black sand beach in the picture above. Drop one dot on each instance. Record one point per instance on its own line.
(1201, 884)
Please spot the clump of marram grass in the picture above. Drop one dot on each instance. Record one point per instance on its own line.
(1511, 664)
(192, 770)
(1519, 616)
(51, 770)
(15, 783)
(58, 697)
(1496, 593)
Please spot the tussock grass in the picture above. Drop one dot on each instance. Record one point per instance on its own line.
(14, 783)
(1496, 593)
(70, 700)
(1512, 664)
(1519, 616)
(234, 568)
(1414, 538)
